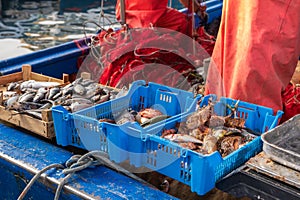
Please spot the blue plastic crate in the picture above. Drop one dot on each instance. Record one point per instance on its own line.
(200, 171)
(82, 129)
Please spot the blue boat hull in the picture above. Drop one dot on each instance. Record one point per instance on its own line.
(22, 155)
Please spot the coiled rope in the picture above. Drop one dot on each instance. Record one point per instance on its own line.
(77, 163)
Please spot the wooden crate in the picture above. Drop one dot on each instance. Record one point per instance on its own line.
(42, 127)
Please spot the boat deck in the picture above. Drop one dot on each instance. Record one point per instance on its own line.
(23, 155)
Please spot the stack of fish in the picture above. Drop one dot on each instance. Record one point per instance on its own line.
(205, 132)
(144, 117)
(31, 97)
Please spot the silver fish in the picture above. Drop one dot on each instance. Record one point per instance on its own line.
(96, 98)
(68, 89)
(78, 106)
(77, 81)
(46, 106)
(26, 84)
(11, 101)
(86, 82)
(37, 84)
(182, 138)
(32, 113)
(8, 94)
(56, 96)
(12, 86)
(81, 100)
(53, 91)
(103, 98)
(40, 94)
(26, 97)
(79, 89)
(154, 120)
(124, 117)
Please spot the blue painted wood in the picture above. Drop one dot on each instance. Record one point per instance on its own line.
(99, 182)
(52, 61)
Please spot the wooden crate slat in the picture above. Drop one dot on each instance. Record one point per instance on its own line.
(40, 77)
(27, 122)
(18, 76)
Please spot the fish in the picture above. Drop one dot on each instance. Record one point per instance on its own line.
(77, 81)
(96, 98)
(199, 118)
(8, 94)
(57, 95)
(78, 106)
(41, 93)
(68, 89)
(32, 113)
(37, 84)
(13, 86)
(79, 89)
(11, 101)
(81, 100)
(182, 138)
(47, 105)
(124, 117)
(154, 120)
(87, 82)
(103, 98)
(26, 84)
(26, 97)
(53, 91)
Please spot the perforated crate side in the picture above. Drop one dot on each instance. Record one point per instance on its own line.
(62, 126)
(239, 157)
(184, 165)
(258, 118)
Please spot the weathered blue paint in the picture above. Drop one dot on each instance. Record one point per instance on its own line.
(99, 182)
(52, 61)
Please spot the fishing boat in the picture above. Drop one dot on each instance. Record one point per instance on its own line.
(24, 154)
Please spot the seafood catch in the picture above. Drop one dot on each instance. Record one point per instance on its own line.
(37, 84)
(205, 132)
(144, 117)
(182, 138)
(147, 114)
(34, 96)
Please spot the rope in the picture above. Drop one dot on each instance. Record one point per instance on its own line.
(77, 163)
(37, 176)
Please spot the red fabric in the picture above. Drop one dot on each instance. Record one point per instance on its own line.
(205, 40)
(256, 51)
(141, 13)
(134, 60)
(155, 13)
(291, 101)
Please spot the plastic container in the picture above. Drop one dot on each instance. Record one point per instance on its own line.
(200, 171)
(82, 129)
(248, 183)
